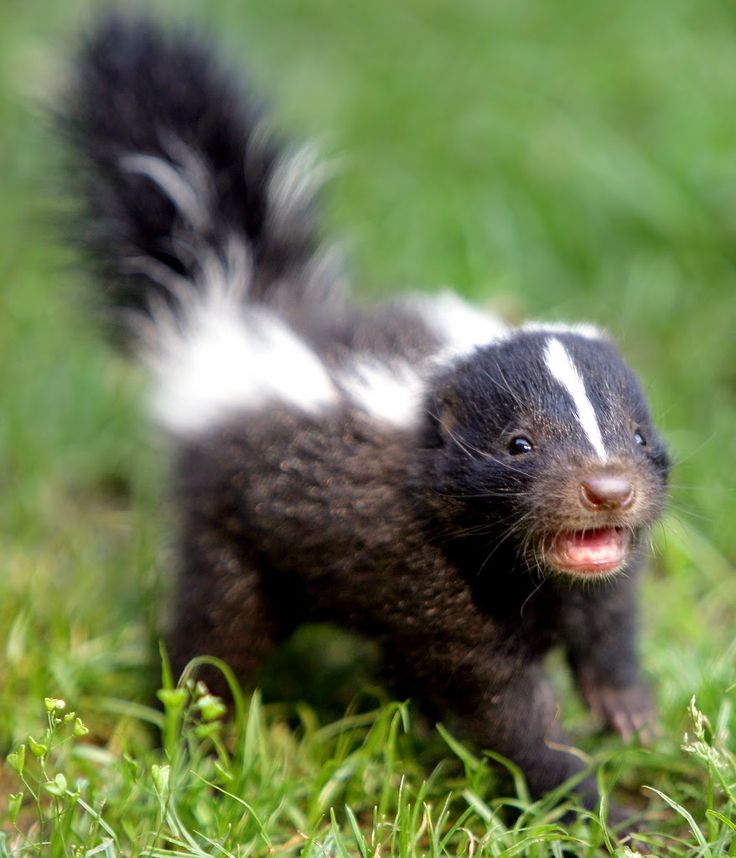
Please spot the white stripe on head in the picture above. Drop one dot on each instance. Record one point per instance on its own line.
(564, 371)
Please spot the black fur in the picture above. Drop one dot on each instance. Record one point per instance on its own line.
(434, 537)
(137, 90)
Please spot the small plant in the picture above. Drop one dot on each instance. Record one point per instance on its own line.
(709, 746)
(65, 785)
(63, 815)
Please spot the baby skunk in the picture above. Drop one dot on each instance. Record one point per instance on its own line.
(468, 494)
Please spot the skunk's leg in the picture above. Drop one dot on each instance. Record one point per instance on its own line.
(521, 722)
(601, 634)
(509, 708)
(223, 608)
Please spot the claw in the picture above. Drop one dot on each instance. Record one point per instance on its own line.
(628, 710)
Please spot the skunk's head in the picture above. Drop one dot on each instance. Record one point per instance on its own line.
(543, 443)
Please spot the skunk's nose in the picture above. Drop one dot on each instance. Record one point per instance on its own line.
(607, 491)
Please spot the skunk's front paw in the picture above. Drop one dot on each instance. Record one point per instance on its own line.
(627, 709)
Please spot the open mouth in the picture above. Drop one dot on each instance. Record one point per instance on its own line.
(589, 552)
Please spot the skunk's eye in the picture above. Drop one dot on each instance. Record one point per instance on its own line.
(519, 445)
(640, 439)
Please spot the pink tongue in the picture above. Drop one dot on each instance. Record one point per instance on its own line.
(592, 547)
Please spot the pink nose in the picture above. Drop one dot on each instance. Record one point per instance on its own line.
(607, 491)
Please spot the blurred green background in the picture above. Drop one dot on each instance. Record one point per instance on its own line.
(559, 160)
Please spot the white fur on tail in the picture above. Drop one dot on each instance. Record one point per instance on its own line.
(186, 184)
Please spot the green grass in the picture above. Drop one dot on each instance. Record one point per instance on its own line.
(562, 160)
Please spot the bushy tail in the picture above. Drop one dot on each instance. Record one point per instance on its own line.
(183, 190)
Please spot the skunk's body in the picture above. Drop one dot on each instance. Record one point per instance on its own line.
(416, 471)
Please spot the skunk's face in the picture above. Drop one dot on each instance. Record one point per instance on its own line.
(544, 442)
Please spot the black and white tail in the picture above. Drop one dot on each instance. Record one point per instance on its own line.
(191, 214)
(201, 234)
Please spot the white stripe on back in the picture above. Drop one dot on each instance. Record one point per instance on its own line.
(389, 390)
(214, 355)
(564, 371)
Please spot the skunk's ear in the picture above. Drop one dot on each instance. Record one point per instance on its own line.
(662, 459)
(442, 417)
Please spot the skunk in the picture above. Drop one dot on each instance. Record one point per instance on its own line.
(467, 493)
